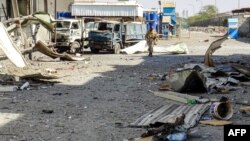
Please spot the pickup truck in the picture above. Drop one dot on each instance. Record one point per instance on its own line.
(114, 36)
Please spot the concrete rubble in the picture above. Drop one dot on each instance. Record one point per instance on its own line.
(62, 97)
(200, 78)
(178, 85)
(15, 47)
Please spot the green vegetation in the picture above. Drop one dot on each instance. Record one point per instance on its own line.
(207, 12)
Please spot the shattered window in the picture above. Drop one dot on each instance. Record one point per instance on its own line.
(62, 24)
(75, 26)
(106, 26)
(117, 28)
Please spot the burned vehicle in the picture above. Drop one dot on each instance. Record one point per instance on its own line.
(114, 36)
(72, 34)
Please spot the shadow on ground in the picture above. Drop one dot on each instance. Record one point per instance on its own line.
(100, 109)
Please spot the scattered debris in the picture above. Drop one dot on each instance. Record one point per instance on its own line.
(179, 48)
(186, 80)
(222, 110)
(165, 128)
(165, 87)
(243, 102)
(141, 139)
(243, 69)
(51, 71)
(184, 98)
(168, 114)
(59, 94)
(137, 48)
(154, 77)
(207, 40)
(216, 122)
(179, 136)
(206, 117)
(200, 78)
(8, 88)
(247, 108)
(9, 48)
(48, 111)
(43, 48)
(25, 86)
(212, 48)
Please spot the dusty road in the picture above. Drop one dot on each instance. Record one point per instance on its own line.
(97, 99)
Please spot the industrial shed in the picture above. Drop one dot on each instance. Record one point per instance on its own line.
(116, 9)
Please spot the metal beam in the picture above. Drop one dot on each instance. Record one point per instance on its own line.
(15, 8)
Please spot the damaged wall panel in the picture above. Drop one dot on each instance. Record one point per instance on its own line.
(9, 48)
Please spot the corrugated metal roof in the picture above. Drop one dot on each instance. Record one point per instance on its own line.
(110, 10)
(169, 113)
(109, 3)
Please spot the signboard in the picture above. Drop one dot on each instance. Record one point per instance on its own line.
(166, 19)
(233, 23)
(168, 4)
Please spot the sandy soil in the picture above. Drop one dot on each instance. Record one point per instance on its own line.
(97, 99)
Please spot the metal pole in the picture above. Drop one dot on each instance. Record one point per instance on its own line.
(239, 4)
(15, 8)
(46, 6)
(55, 8)
(159, 2)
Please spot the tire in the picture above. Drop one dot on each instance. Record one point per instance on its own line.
(117, 48)
(94, 50)
(74, 47)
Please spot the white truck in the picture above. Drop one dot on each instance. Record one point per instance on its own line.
(72, 34)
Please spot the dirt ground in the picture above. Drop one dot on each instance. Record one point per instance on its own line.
(97, 99)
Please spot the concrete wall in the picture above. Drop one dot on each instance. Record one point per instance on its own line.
(64, 5)
(244, 25)
(2, 16)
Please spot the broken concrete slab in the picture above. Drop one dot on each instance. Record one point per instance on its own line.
(243, 69)
(9, 48)
(233, 81)
(187, 80)
(8, 88)
(35, 74)
(211, 79)
(43, 48)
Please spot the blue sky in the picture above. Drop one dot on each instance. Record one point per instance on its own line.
(194, 5)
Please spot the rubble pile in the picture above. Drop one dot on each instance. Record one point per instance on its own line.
(172, 122)
(210, 29)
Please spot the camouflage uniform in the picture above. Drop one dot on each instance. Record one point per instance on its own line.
(151, 37)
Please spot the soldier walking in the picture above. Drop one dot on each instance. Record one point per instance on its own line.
(151, 38)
